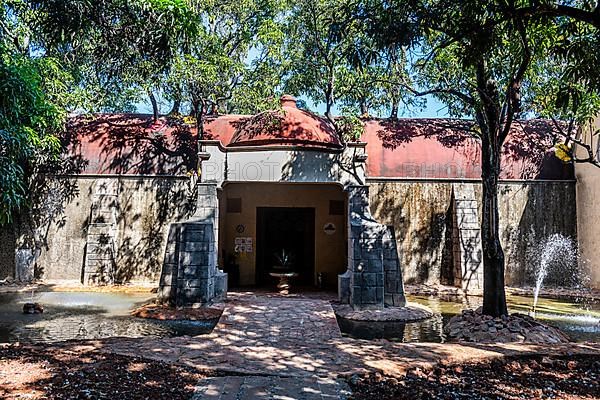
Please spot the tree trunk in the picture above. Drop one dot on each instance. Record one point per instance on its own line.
(198, 106)
(154, 106)
(328, 106)
(394, 110)
(488, 119)
(176, 106)
(329, 98)
(364, 109)
(494, 296)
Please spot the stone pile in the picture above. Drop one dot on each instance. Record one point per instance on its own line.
(473, 326)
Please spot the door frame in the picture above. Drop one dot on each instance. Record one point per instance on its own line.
(260, 260)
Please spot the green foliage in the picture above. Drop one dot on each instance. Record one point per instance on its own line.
(332, 57)
(29, 120)
(350, 126)
(495, 62)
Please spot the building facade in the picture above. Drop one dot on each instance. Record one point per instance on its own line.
(400, 205)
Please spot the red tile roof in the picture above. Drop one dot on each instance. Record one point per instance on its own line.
(446, 148)
(289, 126)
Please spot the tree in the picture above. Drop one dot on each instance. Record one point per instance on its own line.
(217, 71)
(483, 62)
(118, 50)
(319, 38)
(29, 124)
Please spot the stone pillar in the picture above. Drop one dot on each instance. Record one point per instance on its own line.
(190, 276)
(373, 278)
(466, 237)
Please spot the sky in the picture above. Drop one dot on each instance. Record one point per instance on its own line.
(432, 109)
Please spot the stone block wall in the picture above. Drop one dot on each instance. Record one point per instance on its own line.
(373, 278)
(466, 238)
(190, 276)
(102, 234)
(138, 223)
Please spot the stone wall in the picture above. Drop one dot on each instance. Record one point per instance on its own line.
(588, 212)
(529, 214)
(139, 213)
(423, 215)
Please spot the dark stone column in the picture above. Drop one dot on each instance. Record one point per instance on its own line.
(373, 278)
(190, 276)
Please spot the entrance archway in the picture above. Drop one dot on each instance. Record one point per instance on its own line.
(258, 221)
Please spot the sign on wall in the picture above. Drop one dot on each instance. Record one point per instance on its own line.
(243, 245)
(329, 228)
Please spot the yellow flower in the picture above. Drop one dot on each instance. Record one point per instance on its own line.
(563, 152)
(189, 120)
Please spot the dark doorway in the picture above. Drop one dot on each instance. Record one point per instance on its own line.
(292, 229)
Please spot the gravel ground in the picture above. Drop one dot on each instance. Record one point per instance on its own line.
(569, 378)
(32, 373)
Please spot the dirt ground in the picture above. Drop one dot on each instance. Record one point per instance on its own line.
(34, 373)
(576, 377)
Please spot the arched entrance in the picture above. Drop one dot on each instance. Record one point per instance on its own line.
(260, 223)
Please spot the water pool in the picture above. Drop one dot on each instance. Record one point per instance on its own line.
(85, 315)
(580, 321)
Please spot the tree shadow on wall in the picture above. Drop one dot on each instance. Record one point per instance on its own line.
(134, 144)
(49, 190)
(420, 250)
(526, 154)
(448, 132)
(267, 126)
(549, 209)
(141, 250)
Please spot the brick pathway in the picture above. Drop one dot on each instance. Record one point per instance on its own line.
(271, 387)
(277, 342)
(272, 319)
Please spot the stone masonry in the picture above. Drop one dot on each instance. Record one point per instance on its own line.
(102, 232)
(466, 239)
(373, 279)
(190, 276)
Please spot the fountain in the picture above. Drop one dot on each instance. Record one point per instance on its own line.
(558, 253)
(32, 307)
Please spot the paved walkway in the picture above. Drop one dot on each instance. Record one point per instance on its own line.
(272, 319)
(271, 387)
(277, 344)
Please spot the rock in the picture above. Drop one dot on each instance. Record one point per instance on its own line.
(475, 327)
(514, 326)
(32, 308)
